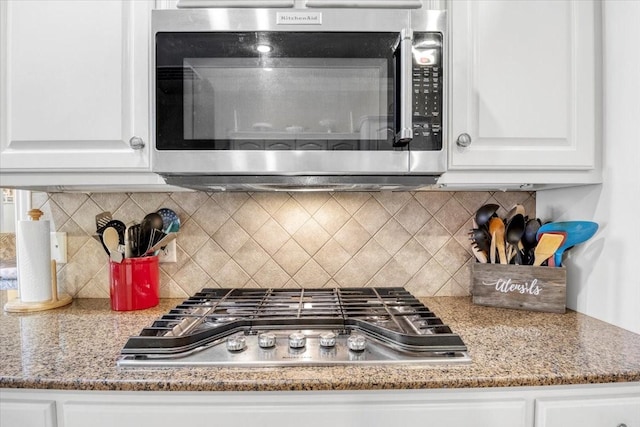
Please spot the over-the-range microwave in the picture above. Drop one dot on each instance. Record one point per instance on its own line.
(310, 98)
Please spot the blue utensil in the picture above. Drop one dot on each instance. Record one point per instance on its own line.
(170, 220)
(576, 232)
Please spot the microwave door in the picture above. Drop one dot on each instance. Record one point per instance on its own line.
(280, 103)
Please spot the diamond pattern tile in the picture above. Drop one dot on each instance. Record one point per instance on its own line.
(417, 240)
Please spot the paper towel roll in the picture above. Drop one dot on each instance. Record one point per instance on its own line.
(34, 261)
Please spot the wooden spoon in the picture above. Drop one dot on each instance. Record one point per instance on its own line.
(547, 246)
(496, 229)
(112, 241)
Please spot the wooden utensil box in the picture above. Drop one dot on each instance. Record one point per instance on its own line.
(521, 287)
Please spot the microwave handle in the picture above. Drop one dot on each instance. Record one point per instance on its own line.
(404, 132)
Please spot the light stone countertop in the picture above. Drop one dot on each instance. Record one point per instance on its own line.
(75, 348)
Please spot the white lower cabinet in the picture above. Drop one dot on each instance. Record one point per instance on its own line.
(593, 411)
(27, 413)
(603, 405)
(309, 410)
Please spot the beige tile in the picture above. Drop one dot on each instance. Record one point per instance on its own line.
(353, 274)
(291, 216)
(311, 202)
(149, 202)
(231, 276)
(230, 202)
(332, 257)
(392, 236)
(372, 257)
(291, 257)
(331, 216)
(392, 201)
(271, 236)
(82, 267)
(472, 200)
(311, 275)
(69, 202)
(191, 237)
(92, 289)
(412, 216)
(170, 289)
(462, 235)
(311, 236)
(452, 256)
(211, 257)
(451, 289)
(391, 274)
(432, 236)
(428, 280)
(271, 275)
(432, 201)
(372, 216)
(128, 212)
(250, 216)
(351, 202)
(463, 277)
(230, 236)
(191, 278)
(352, 236)
(171, 268)
(188, 201)
(291, 284)
(55, 215)
(271, 202)
(508, 199)
(210, 217)
(412, 256)
(251, 257)
(109, 201)
(452, 216)
(530, 207)
(76, 237)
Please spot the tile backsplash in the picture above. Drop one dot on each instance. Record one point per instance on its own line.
(417, 240)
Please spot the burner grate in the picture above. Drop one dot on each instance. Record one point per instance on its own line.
(390, 315)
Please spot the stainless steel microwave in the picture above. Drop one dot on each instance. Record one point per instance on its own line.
(286, 98)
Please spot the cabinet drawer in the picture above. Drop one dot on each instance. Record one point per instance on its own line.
(32, 413)
(594, 411)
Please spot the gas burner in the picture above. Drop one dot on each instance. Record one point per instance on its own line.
(295, 327)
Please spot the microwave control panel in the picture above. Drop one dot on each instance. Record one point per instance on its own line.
(427, 92)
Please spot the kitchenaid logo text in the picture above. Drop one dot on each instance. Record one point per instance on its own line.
(292, 18)
(506, 286)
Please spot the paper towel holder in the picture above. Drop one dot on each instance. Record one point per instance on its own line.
(18, 306)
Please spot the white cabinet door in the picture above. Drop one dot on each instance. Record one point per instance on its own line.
(313, 411)
(596, 411)
(27, 413)
(74, 84)
(523, 84)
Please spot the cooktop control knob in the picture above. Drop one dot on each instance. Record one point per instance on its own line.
(297, 340)
(266, 340)
(327, 339)
(356, 342)
(236, 343)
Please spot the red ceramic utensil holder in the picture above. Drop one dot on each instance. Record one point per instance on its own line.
(134, 283)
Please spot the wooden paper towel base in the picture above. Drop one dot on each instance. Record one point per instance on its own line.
(17, 306)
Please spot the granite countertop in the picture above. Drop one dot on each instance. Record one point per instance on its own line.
(75, 347)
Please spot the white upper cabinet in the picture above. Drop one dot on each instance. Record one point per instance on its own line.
(74, 85)
(523, 85)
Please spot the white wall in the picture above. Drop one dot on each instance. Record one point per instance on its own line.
(604, 273)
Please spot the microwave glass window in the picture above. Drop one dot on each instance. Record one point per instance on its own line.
(276, 91)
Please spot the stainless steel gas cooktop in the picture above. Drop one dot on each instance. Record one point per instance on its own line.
(295, 327)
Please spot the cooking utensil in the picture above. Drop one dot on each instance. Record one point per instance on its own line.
(134, 239)
(485, 213)
(576, 232)
(111, 241)
(162, 243)
(480, 255)
(496, 229)
(170, 220)
(102, 219)
(481, 239)
(513, 234)
(547, 245)
(515, 210)
(530, 240)
(150, 222)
